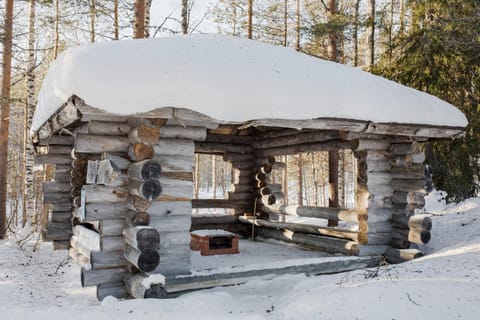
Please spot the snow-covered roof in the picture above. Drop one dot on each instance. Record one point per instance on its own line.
(230, 79)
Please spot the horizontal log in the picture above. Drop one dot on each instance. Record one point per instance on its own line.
(175, 147)
(104, 194)
(111, 227)
(175, 163)
(378, 166)
(240, 196)
(79, 258)
(393, 255)
(170, 208)
(410, 185)
(60, 216)
(214, 220)
(238, 157)
(175, 190)
(305, 147)
(303, 228)
(101, 211)
(107, 128)
(412, 235)
(295, 139)
(115, 289)
(185, 176)
(175, 238)
(228, 138)
(53, 159)
(315, 212)
(221, 148)
(107, 260)
(220, 203)
(322, 243)
(59, 149)
(411, 198)
(179, 132)
(60, 206)
(87, 143)
(145, 170)
(144, 134)
(56, 234)
(80, 248)
(87, 238)
(65, 140)
(241, 188)
(140, 151)
(113, 243)
(171, 223)
(405, 148)
(144, 260)
(419, 222)
(142, 237)
(92, 277)
(370, 144)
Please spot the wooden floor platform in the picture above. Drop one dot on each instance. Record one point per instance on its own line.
(257, 260)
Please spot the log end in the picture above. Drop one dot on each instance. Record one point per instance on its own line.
(148, 260)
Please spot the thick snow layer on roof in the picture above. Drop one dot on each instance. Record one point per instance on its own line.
(230, 79)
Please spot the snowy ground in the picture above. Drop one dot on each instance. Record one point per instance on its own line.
(443, 285)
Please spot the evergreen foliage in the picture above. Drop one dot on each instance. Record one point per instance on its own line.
(439, 54)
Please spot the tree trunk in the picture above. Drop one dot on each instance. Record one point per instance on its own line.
(28, 184)
(185, 16)
(300, 180)
(139, 27)
(93, 13)
(57, 31)
(355, 33)
(250, 19)
(332, 37)
(115, 20)
(4, 121)
(333, 183)
(297, 44)
(371, 34)
(285, 23)
(148, 5)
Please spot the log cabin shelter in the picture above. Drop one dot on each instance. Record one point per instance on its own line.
(123, 124)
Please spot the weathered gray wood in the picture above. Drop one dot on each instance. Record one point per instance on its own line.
(104, 194)
(420, 221)
(112, 243)
(409, 185)
(118, 162)
(111, 227)
(60, 206)
(144, 134)
(175, 163)
(305, 147)
(401, 255)
(315, 212)
(80, 248)
(148, 190)
(87, 143)
(107, 174)
(187, 283)
(174, 147)
(107, 260)
(371, 144)
(91, 177)
(295, 139)
(65, 140)
(142, 237)
(91, 278)
(134, 285)
(175, 190)
(327, 244)
(405, 148)
(220, 203)
(178, 132)
(115, 289)
(412, 198)
(319, 124)
(170, 208)
(144, 170)
(53, 159)
(101, 211)
(238, 157)
(108, 128)
(59, 149)
(198, 221)
(230, 139)
(175, 238)
(240, 196)
(145, 260)
(171, 223)
(303, 228)
(241, 188)
(378, 166)
(86, 237)
(221, 148)
(60, 216)
(53, 186)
